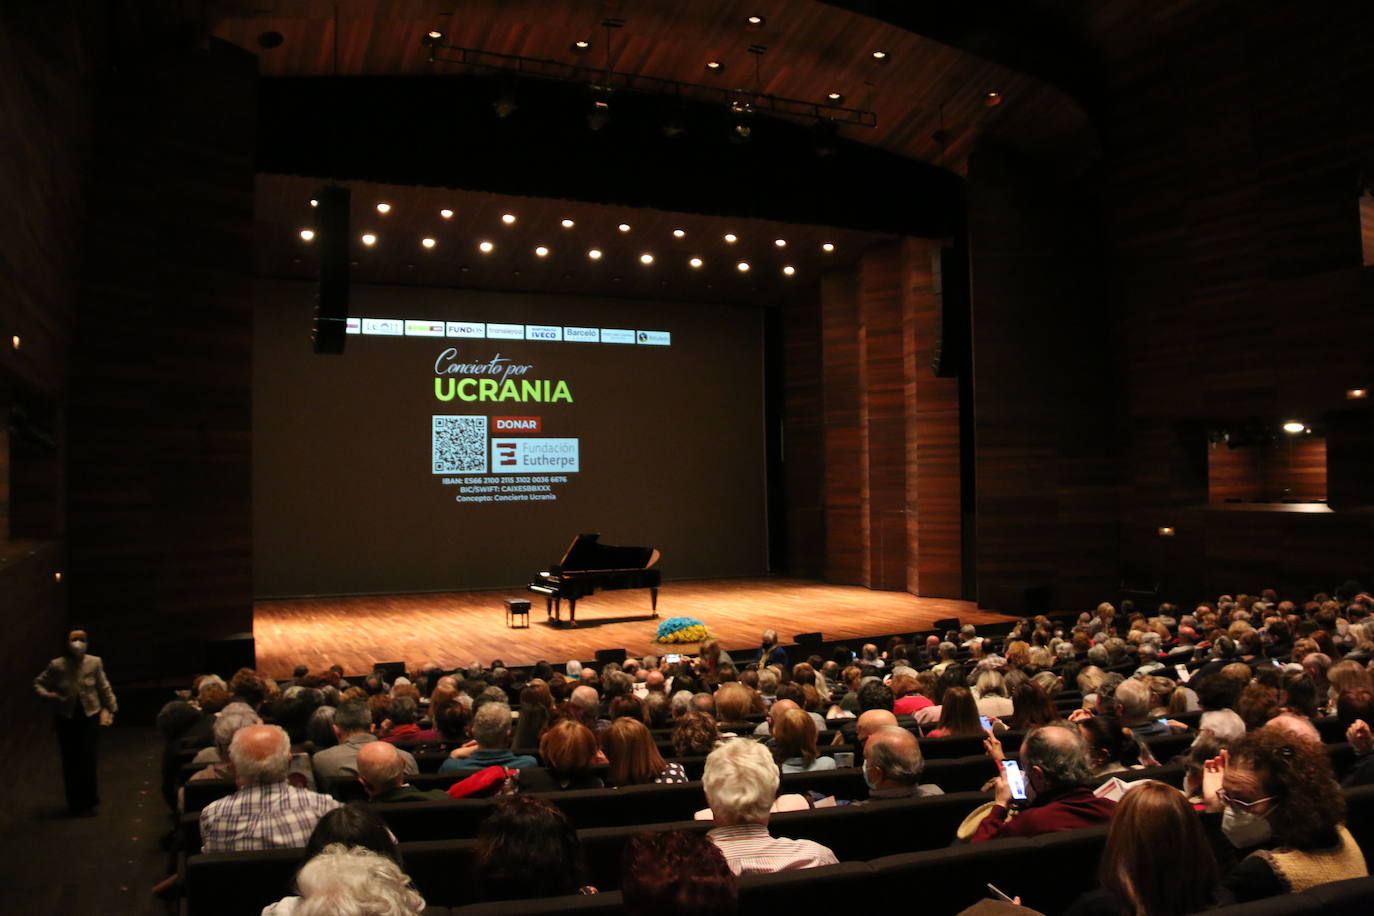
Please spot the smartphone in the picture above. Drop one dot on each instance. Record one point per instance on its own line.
(672, 659)
(1277, 663)
(986, 723)
(998, 894)
(1015, 781)
(1183, 674)
(1164, 722)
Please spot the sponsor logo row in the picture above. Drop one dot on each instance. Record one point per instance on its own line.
(398, 327)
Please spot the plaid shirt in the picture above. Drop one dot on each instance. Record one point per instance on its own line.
(749, 850)
(275, 816)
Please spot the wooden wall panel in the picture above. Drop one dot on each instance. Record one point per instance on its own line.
(160, 474)
(934, 522)
(1236, 253)
(803, 445)
(845, 558)
(882, 417)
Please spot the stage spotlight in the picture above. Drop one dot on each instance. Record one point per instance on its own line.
(15, 341)
(1356, 394)
(314, 202)
(599, 114)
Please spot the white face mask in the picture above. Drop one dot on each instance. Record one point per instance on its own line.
(1244, 829)
(78, 646)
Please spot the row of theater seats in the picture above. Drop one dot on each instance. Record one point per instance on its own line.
(891, 851)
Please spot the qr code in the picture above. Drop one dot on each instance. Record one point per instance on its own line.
(460, 445)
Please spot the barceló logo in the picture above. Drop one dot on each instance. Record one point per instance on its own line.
(520, 424)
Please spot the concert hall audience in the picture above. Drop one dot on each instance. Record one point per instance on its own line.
(1056, 769)
(353, 729)
(634, 759)
(893, 764)
(958, 715)
(568, 750)
(695, 734)
(382, 772)
(794, 747)
(527, 848)
(491, 733)
(676, 873)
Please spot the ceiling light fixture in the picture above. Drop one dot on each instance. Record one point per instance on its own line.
(742, 267)
(696, 262)
(715, 66)
(992, 99)
(788, 270)
(646, 258)
(427, 242)
(432, 38)
(828, 246)
(541, 252)
(881, 56)
(15, 341)
(314, 202)
(383, 207)
(594, 254)
(567, 224)
(624, 227)
(679, 233)
(781, 243)
(730, 237)
(1356, 394)
(508, 218)
(581, 46)
(369, 239)
(1293, 426)
(834, 97)
(753, 23)
(307, 235)
(446, 213)
(1166, 531)
(485, 247)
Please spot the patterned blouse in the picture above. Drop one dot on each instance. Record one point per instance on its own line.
(672, 773)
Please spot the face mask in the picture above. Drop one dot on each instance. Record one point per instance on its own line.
(1244, 829)
(78, 646)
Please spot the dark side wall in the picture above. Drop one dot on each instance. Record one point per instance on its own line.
(1234, 150)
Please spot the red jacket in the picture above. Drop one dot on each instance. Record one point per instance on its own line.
(1064, 809)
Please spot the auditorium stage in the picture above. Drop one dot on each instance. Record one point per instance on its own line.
(452, 629)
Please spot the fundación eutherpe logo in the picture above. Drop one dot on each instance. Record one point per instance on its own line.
(534, 456)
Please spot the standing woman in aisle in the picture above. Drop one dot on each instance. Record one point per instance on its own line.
(75, 685)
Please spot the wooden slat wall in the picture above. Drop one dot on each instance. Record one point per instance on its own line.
(1237, 256)
(882, 431)
(845, 558)
(159, 471)
(934, 524)
(803, 446)
(1043, 390)
(882, 418)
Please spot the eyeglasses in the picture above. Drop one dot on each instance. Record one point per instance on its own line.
(1237, 805)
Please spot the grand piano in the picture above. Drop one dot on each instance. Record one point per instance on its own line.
(588, 566)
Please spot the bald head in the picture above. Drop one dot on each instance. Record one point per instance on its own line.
(260, 754)
(654, 680)
(893, 758)
(781, 706)
(869, 722)
(1296, 726)
(380, 767)
(585, 696)
(1059, 754)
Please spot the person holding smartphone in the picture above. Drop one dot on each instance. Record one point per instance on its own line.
(1055, 769)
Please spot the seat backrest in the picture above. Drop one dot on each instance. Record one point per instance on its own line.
(441, 870)
(954, 878)
(867, 831)
(435, 820)
(829, 889)
(238, 882)
(1359, 817)
(606, 903)
(200, 792)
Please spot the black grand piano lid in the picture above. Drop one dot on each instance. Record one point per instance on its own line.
(585, 553)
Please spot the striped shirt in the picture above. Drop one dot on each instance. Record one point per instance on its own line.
(275, 816)
(749, 850)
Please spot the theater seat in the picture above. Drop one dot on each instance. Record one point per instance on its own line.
(607, 903)
(832, 889)
(952, 879)
(1353, 897)
(237, 882)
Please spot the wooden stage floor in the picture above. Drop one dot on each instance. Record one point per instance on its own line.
(454, 629)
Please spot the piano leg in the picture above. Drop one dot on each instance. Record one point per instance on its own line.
(572, 612)
(653, 599)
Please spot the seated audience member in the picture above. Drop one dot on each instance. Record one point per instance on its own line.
(1033, 707)
(403, 723)
(893, 764)
(634, 758)
(353, 729)
(695, 735)
(527, 848)
(227, 723)
(1257, 705)
(991, 691)
(909, 699)
(794, 743)
(382, 771)
(734, 702)
(1111, 746)
(350, 880)
(491, 732)
(586, 697)
(1133, 702)
(676, 873)
(771, 653)
(1277, 796)
(568, 750)
(958, 715)
(265, 812)
(1157, 861)
(1362, 742)
(1054, 762)
(627, 706)
(741, 783)
(350, 826)
(1218, 695)
(451, 722)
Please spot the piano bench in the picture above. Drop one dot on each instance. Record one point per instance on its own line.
(517, 607)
